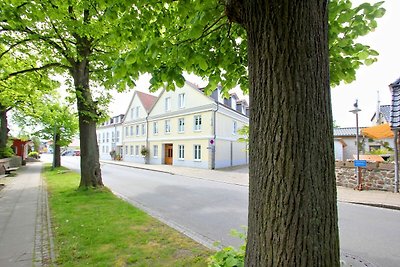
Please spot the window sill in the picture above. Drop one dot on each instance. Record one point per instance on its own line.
(197, 160)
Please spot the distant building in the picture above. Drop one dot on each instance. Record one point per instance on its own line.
(109, 137)
(345, 138)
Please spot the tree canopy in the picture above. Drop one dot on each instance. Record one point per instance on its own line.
(81, 39)
(198, 37)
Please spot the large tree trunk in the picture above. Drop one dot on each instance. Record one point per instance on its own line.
(292, 194)
(4, 128)
(90, 164)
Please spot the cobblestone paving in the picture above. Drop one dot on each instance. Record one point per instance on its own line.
(43, 249)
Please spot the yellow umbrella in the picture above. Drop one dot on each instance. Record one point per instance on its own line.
(378, 132)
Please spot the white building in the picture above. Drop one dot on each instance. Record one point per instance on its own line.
(185, 128)
(109, 137)
(135, 126)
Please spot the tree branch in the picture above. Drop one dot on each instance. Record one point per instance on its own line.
(14, 45)
(47, 66)
(203, 35)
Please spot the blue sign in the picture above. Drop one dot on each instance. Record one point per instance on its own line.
(360, 163)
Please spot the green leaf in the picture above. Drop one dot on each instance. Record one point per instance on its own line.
(203, 63)
(197, 31)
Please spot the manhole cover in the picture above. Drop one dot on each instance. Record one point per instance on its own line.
(349, 260)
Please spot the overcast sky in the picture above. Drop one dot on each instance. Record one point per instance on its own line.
(374, 78)
(370, 79)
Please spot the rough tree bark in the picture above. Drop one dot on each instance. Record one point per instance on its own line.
(90, 164)
(4, 128)
(292, 217)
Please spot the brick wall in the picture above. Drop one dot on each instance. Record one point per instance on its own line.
(376, 176)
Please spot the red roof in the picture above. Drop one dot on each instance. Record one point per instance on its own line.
(147, 100)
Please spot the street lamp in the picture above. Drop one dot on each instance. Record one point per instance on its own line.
(355, 111)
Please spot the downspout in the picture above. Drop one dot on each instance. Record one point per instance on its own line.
(215, 137)
(147, 138)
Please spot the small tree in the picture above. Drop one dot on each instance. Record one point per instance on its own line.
(56, 122)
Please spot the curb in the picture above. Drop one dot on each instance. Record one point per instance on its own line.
(43, 246)
(136, 167)
(173, 173)
(383, 206)
(199, 238)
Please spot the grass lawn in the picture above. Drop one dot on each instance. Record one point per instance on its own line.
(95, 228)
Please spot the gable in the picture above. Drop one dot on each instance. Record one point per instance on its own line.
(135, 110)
(193, 98)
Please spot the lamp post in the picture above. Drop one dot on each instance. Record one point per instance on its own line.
(355, 111)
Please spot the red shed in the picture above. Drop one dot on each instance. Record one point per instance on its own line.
(21, 147)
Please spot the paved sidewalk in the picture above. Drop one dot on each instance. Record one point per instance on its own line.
(23, 206)
(239, 175)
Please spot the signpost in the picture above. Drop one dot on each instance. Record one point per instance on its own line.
(360, 163)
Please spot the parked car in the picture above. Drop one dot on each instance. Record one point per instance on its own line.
(71, 153)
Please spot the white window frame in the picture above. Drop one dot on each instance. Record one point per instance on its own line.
(107, 137)
(167, 104)
(143, 129)
(197, 123)
(126, 131)
(126, 150)
(234, 127)
(137, 130)
(197, 152)
(131, 130)
(131, 150)
(181, 152)
(155, 128)
(137, 150)
(181, 125)
(181, 100)
(132, 113)
(155, 151)
(167, 126)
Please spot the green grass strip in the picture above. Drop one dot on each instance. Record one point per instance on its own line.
(95, 228)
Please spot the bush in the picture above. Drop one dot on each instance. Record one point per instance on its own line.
(6, 152)
(33, 154)
(144, 152)
(229, 256)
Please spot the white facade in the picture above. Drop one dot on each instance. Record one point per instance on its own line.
(109, 137)
(183, 128)
(135, 127)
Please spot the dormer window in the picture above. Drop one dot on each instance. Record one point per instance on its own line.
(233, 103)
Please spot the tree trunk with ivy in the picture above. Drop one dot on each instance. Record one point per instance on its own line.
(292, 217)
(90, 162)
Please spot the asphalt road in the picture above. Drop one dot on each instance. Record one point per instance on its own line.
(208, 210)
